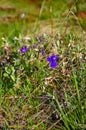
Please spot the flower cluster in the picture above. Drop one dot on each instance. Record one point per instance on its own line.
(53, 60)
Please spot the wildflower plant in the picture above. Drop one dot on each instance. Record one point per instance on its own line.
(26, 75)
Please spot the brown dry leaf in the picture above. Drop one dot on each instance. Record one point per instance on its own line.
(2, 118)
(82, 15)
(7, 8)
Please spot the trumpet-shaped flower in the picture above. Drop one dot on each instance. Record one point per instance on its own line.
(53, 60)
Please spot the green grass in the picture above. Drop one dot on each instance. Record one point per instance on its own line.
(33, 96)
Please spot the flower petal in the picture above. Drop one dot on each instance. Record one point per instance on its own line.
(54, 57)
(53, 65)
(49, 59)
(57, 58)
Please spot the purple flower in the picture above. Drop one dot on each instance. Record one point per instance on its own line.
(24, 49)
(53, 60)
(43, 51)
